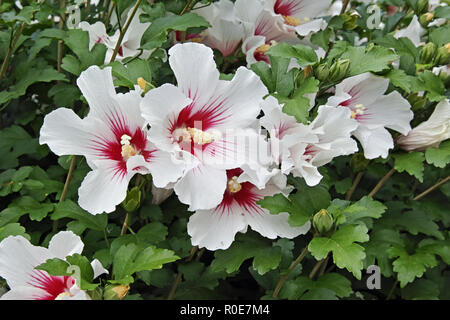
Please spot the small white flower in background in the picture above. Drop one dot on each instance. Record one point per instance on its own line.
(216, 228)
(300, 16)
(131, 41)
(261, 30)
(413, 32)
(332, 128)
(429, 133)
(300, 149)
(373, 111)
(18, 259)
(200, 120)
(225, 33)
(113, 138)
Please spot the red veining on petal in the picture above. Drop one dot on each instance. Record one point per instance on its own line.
(287, 7)
(120, 51)
(52, 285)
(111, 149)
(246, 198)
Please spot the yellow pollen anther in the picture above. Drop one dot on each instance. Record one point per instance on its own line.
(428, 16)
(292, 21)
(233, 185)
(128, 151)
(447, 46)
(193, 134)
(262, 49)
(125, 140)
(359, 110)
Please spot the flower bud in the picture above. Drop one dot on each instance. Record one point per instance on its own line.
(160, 194)
(144, 85)
(443, 55)
(115, 292)
(339, 69)
(323, 71)
(350, 19)
(133, 200)
(323, 221)
(427, 53)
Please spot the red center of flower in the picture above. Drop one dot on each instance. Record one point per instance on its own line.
(287, 7)
(53, 286)
(243, 194)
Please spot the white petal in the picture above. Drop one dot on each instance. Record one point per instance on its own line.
(24, 293)
(202, 187)
(195, 70)
(98, 268)
(392, 111)
(315, 25)
(275, 225)
(66, 134)
(18, 257)
(413, 32)
(165, 168)
(65, 243)
(103, 188)
(376, 142)
(215, 230)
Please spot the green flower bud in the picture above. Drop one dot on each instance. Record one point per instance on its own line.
(425, 19)
(427, 53)
(133, 200)
(350, 19)
(115, 292)
(339, 69)
(443, 55)
(323, 71)
(417, 102)
(358, 162)
(323, 221)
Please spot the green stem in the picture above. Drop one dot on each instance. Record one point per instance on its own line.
(441, 182)
(344, 6)
(187, 8)
(125, 225)
(111, 10)
(391, 292)
(289, 270)
(316, 268)
(124, 30)
(349, 193)
(62, 5)
(10, 50)
(66, 186)
(381, 182)
(178, 277)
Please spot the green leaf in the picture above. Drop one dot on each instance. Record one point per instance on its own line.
(275, 77)
(127, 75)
(152, 233)
(305, 55)
(363, 60)
(431, 83)
(422, 289)
(64, 94)
(14, 142)
(411, 162)
(409, 267)
(400, 79)
(301, 205)
(402, 46)
(322, 37)
(346, 253)
(156, 34)
(364, 208)
(299, 105)
(439, 157)
(36, 210)
(266, 257)
(13, 229)
(440, 36)
(69, 209)
(131, 258)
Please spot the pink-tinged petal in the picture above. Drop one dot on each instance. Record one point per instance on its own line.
(163, 104)
(300, 8)
(224, 35)
(375, 142)
(18, 257)
(392, 111)
(66, 134)
(133, 36)
(201, 187)
(97, 32)
(236, 103)
(364, 89)
(195, 70)
(103, 188)
(214, 229)
(65, 243)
